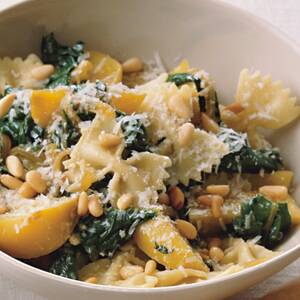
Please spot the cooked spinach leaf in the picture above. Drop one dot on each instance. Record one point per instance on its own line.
(20, 127)
(242, 158)
(64, 263)
(66, 133)
(135, 134)
(100, 237)
(182, 78)
(162, 249)
(101, 186)
(64, 58)
(260, 216)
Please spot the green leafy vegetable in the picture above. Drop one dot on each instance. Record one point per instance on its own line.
(243, 159)
(66, 133)
(135, 134)
(101, 186)
(162, 249)
(20, 127)
(100, 237)
(64, 263)
(262, 217)
(183, 78)
(64, 58)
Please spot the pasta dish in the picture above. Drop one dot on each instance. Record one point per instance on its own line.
(132, 175)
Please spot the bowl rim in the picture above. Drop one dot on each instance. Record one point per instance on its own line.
(272, 30)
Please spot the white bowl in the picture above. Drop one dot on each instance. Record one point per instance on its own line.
(216, 36)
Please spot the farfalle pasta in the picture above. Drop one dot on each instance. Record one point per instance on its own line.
(132, 175)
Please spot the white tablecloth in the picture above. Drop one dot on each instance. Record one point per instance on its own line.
(284, 14)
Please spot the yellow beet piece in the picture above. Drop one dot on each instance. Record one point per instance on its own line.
(43, 103)
(38, 233)
(161, 241)
(284, 178)
(105, 68)
(128, 102)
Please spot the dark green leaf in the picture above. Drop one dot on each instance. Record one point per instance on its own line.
(162, 249)
(243, 159)
(64, 58)
(135, 134)
(102, 236)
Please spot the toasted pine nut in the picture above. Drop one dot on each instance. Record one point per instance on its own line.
(176, 197)
(164, 199)
(235, 107)
(204, 200)
(222, 190)
(109, 140)
(3, 209)
(6, 145)
(204, 253)
(15, 166)
(82, 72)
(214, 242)
(59, 158)
(125, 201)
(209, 124)
(74, 239)
(185, 134)
(150, 267)
(82, 207)
(132, 65)
(274, 192)
(216, 205)
(92, 280)
(36, 181)
(5, 104)
(216, 254)
(26, 191)
(10, 182)
(95, 207)
(177, 105)
(187, 229)
(42, 72)
(130, 270)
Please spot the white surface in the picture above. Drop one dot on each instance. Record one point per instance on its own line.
(284, 14)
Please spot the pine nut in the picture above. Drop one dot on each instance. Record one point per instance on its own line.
(207, 200)
(5, 104)
(235, 107)
(6, 145)
(150, 267)
(83, 202)
(216, 254)
(185, 134)
(109, 140)
(222, 190)
(214, 242)
(187, 229)
(164, 199)
(209, 124)
(15, 166)
(95, 207)
(74, 239)
(178, 106)
(91, 280)
(42, 72)
(3, 209)
(274, 192)
(26, 191)
(216, 205)
(204, 253)
(176, 197)
(132, 65)
(82, 72)
(129, 271)
(125, 201)
(34, 178)
(10, 182)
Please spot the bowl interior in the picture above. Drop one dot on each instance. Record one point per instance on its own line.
(218, 38)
